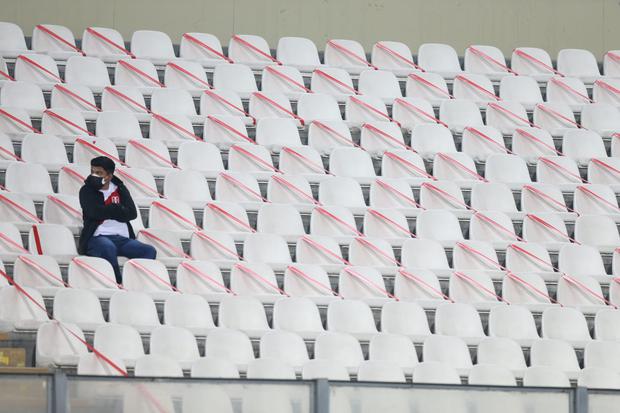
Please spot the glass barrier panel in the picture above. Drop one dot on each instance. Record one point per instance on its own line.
(603, 401)
(24, 393)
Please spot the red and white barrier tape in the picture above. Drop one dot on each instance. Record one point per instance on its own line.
(106, 40)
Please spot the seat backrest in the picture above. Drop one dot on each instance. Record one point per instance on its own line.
(392, 193)
(240, 51)
(491, 375)
(199, 156)
(44, 42)
(545, 376)
(386, 55)
(474, 255)
(263, 247)
(253, 279)
(365, 108)
(491, 226)
(445, 349)
(427, 85)
(12, 37)
(580, 260)
(587, 293)
(525, 288)
(186, 185)
(23, 95)
(343, 191)
(553, 353)
(229, 344)
(472, 287)
(513, 322)
(235, 77)
(155, 365)
(481, 141)
(381, 83)
(54, 342)
(544, 228)
(86, 71)
(506, 116)
(492, 195)
(188, 311)
(525, 61)
(459, 114)
(410, 111)
(340, 347)
(317, 249)
(405, 318)
(596, 230)
(436, 57)
(72, 305)
(438, 225)
(458, 319)
(174, 342)
(279, 219)
(350, 316)
(191, 47)
(199, 277)
(185, 74)
(138, 73)
(151, 44)
(296, 314)
(36, 68)
(577, 62)
(297, 51)
(531, 143)
(583, 145)
(377, 136)
(594, 199)
(501, 351)
(211, 367)
(351, 162)
(318, 106)
(428, 139)
(133, 308)
(336, 56)
(172, 101)
(557, 170)
(14, 307)
(322, 81)
(506, 168)
(484, 59)
(564, 324)
(282, 79)
(53, 239)
(93, 45)
(473, 87)
(393, 348)
(435, 372)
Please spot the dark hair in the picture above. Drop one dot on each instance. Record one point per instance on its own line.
(104, 162)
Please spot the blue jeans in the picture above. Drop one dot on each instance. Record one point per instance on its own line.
(110, 247)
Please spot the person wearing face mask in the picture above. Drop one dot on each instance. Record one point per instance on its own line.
(107, 209)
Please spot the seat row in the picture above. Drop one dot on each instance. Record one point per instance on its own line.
(108, 44)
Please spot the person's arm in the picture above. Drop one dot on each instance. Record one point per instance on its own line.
(93, 208)
(129, 212)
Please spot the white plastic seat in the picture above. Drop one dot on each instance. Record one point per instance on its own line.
(393, 349)
(439, 58)
(54, 240)
(55, 346)
(308, 281)
(238, 187)
(272, 105)
(298, 52)
(453, 169)
(280, 219)
(321, 250)
(602, 355)
(39, 271)
(332, 81)
(154, 365)
(582, 146)
(118, 126)
(427, 85)
(23, 95)
(120, 342)
(388, 223)
(319, 107)
(418, 285)
(581, 260)
(473, 287)
(18, 209)
(266, 248)
(230, 345)
(506, 116)
(459, 320)
(545, 376)
(342, 191)
(493, 195)
(91, 364)
(567, 324)
(250, 158)
(380, 83)
(46, 150)
(39, 69)
(224, 103)
(543, 198)
(202, 157)
(148, 276)
(429, 139)
(65, 123)
(270, 368)
(531, 143)
(190, 312)
(227, 217)
(176, 343)
(438, 225)
(436, 373)
(15, 122)
(137, 73)
(251, 50)
(395, 195)
(492, 226)
(283, 79)
(474, 87)
(235, 77)
(286, 346)
(114, 98)
(43, 41)
(80, 307)
(360, 109)
(297, 315)
(597, 230)
(141, 185)
(513, 322)
(374, 252)
(274, 133)
(18, 312)
(555, 117)
(604, 90)
(587, 296)
(255, 279)
(377, 137)
(302, 160)
(393, 56)
(526, 289)
(481, 141)
(486, 60)
(186, 74)
(404, 164)
(94, 274)
(351, 163)
(601, 171)
(152, 45)
(606, 325)
(291, 189)
(601, 118)
(13, 40)
(192, 47)
(548, 229)
(568, 90)
(135, 309)
(533, 62)
(169, 101)
(87, 71)
(446, 349)
(444, 194)
(12, 244)
(411, 111)
(522, 89)
(85, 148)
(346, 54)
(558, 170)
(224, 131)
(491, 375)
(598, 378)
(352, 317)
(188, 186)
(502, 352)
(474, 255)
(181, 219)
(578, 63)
(243, 313)
(202, 278)
(595, 199)
(380, 371)
(554, 353)
(324, 369)
(95, 45)
(339, 348)
(149, 154)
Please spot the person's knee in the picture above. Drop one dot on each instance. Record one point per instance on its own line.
(149, 252)
(102, 248)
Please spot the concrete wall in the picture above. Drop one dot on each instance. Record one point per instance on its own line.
(550, 24)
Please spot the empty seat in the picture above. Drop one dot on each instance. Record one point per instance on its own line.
(380, 371)
(441, 195)
(123, 99)
(177, 343)
(321, 250)
(46, 150)
(202, 278)
(474, 87)
(243, 313)
(486, 60)
(249, 49)
(149, 276)
(555, 117)
(481, 141)
(250, 158)
(605, 90)
(314, 107)
(531, 143)
(227, 217)
(308, 281)
(171, 101)
(332, 81)
(339, 348)
(230, 345)
(606, 325)
(13, 40)
(59, 344)
(39, 271)
(298, 52)
(598, 378)
(19, 313)
(513, 322)
(298, 315)
(460, 114)
(548, 229)
(280, 219)
(235, 77)
(137, 73)
(439, 58)
(275, 133)
(601, 171)
(270, 368)
(189, 311)
(286, 346)
(601, 118)
(186, 74)
(148, 154)
(420, 285)
(375, 252)
(597, 230)
(498, 196)
(87, 71)
(118, 126)
(427, 85)
(91, 364)
(554, 353)
(430, 139)
(199, 156)
(23, 95)
(267, 248)
(580, 260)
(522, 89)
(346, 54)
(506, 116)
(568, 90)
(54, 40)
(438, 225)
(325, 369)
(582, 146)
(202, 47)
(37, 68)
(133, 308)
(152, 45)
(445, 349)
(502, 352)
(578, 63)
(411, 111)
(351, 163)
(473, 287)
(256, 279)
(436, 373)
(172, 215)
(404, 164)
(341, 191)
(566, 324)
(94, 274)
(453, 166)
(390, 224)
(376, 137)
(380, 83)
(214, 368)
(542, 198)
(490, 375)
(272, 105)
(283, 79)
(120, 342)
(595, 199)
(352, 317)
(460, 320)
(393, 349)
(526, 289)
(360, 109)
(105, 43)
(188, 186)
(80, 307)
(545, 376)
(54, 240)
(559, 170)
(393, 56)
(534, 62)
(292, 189)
